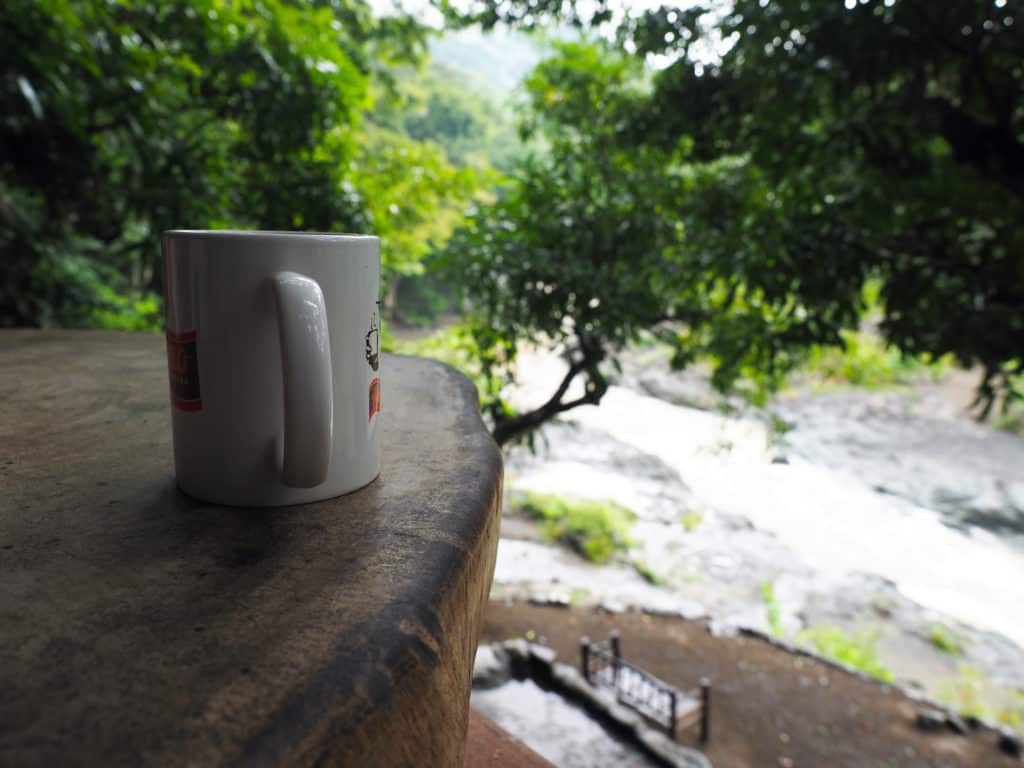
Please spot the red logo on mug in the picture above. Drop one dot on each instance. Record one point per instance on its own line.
(374, 397)
(183, 366)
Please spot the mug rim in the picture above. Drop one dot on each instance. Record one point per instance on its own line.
(265, 233)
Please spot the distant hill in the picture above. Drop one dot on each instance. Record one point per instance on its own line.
(496, 62)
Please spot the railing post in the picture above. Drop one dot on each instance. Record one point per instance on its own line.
(705, 710)
(613, 643)
(672, 714)
(585, 657)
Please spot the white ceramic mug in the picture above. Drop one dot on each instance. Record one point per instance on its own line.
(273, 352)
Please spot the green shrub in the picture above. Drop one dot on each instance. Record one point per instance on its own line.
(865, 360)
(648, 573)
(595, 529)
(972, 694)
(1011, 414)
(1011, 420)
(778, 428)
(578, 596)
(772, 608)
(946, 639)
(1012, 714)
(691, 521)
(857, 650)
(967, 693)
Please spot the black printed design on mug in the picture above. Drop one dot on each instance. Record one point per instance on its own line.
(373, 342)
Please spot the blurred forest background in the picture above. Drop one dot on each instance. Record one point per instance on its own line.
(762, 184)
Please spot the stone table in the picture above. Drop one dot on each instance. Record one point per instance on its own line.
(138, 626)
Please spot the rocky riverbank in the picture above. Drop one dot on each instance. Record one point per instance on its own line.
(768, 707)
(889, 513)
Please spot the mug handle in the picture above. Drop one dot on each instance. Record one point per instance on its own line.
(307, 378)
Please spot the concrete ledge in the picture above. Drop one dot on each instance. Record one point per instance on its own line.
(142, 627)
(490, 746)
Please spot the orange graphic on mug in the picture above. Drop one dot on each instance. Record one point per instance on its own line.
(374, 397)
(183, 366)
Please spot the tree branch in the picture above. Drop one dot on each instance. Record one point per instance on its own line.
(508, 429)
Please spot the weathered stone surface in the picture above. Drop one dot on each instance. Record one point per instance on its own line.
(930, 720)
(955, 723)
(142, 627)
(1011, 743)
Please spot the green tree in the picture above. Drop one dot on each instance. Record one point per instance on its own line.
(121, 119)
(439, 104)
(414, 196)
(426, 156)
(585, 248)
(890, 135)
(554, 256)
(866, 139)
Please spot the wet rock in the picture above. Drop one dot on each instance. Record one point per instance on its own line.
(518, 650)
(558, 599)
(542, 654)
(542, 659)
(690, 388)
(691, 610)
(1010, 743)
(966, 471)
(930, 720)
(913, 691)
(491, 667)
(719, 628)
(1015, 495)
(600, 466)
(955, 723)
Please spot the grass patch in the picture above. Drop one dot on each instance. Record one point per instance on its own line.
(597, 530)
(972, 694)
(578, 596)
(1010, 416)
(1011, 421)
(778, 428)
(855, 650)
(967, 693)
(647, 573)
(946, 639)
(865, 360)
(771, 605)
(1012, 713)
(691, 521)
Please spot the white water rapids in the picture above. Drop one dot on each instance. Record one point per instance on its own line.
(827, 515)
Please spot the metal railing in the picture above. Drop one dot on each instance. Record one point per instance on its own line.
(602, 666)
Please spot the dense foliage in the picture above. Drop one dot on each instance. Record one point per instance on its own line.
(577, 250)
(823, 144)
(890, 136)
(121, 119)
(603, 238)
(735, 203)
